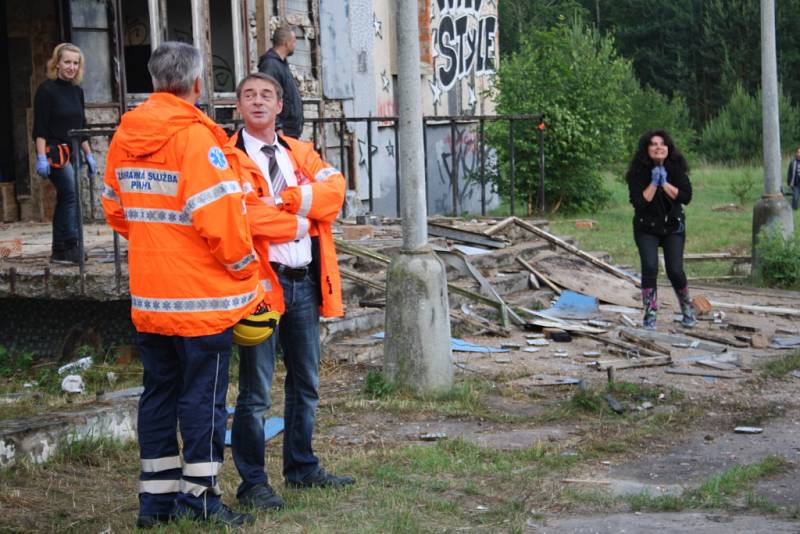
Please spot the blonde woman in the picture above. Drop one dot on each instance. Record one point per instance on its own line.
(57, 109)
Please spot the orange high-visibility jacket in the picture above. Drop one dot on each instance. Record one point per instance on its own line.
(170, 192)
(311, 207)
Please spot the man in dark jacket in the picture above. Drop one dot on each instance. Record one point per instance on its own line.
(793, 178)
(290, 120)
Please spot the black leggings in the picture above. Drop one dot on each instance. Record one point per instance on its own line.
(673, 257)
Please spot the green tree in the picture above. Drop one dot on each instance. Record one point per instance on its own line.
(575, 76)
(735, 134)
(517, 17)
(651, 110)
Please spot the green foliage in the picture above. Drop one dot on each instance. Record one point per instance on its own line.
(90, 450)
(519, 16)
(652, 110)
(735, 135)
(573, 75)
(12, 363)
(742, 187)
(376, 385)
(779, 259)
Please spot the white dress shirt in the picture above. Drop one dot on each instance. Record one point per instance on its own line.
(295, 253)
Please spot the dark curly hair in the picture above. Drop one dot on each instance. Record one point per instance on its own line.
(641, 164)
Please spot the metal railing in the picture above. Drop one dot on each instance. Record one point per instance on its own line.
(345, 157)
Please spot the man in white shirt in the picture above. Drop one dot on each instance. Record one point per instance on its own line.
(293, 199)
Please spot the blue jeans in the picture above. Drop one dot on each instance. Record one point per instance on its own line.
(795, 196)
(298, 336)
(65, 223)
(185, 382)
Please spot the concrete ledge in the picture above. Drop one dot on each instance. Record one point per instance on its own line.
(36, 438)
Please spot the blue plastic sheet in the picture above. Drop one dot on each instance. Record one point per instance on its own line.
(572, 305)
(272, 427)
(459, 345)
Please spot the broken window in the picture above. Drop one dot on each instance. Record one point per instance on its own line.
(136, 44)
(89, 21)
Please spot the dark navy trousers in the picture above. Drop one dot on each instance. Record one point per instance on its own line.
(185, 383)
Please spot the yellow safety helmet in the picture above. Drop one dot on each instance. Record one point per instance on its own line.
(255, 328)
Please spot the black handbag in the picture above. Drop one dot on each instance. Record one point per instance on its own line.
(661, 225)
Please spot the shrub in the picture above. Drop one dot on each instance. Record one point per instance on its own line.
(574, 76)
(650, 110)
(779, 259)
(735, 135)
(741, 187)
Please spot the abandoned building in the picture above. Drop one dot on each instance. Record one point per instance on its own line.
(344, 64)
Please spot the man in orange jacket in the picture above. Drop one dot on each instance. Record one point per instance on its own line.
(193, 274)
(293, 197)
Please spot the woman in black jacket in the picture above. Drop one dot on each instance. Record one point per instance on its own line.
(57, 109)
(659, 187)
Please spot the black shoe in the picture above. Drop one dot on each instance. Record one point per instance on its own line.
(221, 516)
(262, 497)
(152, 521)
(322, 479)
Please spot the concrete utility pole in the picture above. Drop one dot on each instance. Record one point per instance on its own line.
(771, 210)
(417, 346)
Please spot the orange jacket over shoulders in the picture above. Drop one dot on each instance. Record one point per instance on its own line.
(310, 207)
(170, 192)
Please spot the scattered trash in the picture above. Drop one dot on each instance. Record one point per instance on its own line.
(534, 336)
(645, 406)
(719, 316)
(701, 304)
(502, 360)
(458, 345)
(591, 354)
(613, 403)
(531, 349)
(795, 374)
(111, 376)
(30, 384)
(510, 345)
(560, 353)
(694, 344)
(77, 366)
(72, 384)
(433, 436)
(481, 508)
(538, 342)
(748, 430)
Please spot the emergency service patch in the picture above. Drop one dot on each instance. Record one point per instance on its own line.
(143, 180)
(217, 158)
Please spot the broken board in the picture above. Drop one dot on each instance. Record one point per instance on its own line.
(577, 275)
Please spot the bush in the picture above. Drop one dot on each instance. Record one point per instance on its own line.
(651, 110)
(779, 260)
(573, 75)
(735, 135)
(741, 187)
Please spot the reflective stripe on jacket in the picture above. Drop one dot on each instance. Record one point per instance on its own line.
(310, 207)
(170, 192)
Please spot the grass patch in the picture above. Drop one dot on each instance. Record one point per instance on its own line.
(707, 230)
(91, 451)
(782, 366)
(718, 491)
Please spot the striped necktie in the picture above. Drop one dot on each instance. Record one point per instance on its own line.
(275, 175)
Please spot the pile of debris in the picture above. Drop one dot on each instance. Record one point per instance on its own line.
(555, 310)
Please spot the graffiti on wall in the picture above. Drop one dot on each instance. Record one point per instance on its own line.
(464, 40)
(463, 152)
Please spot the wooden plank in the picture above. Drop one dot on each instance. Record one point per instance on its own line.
(465, 236)
(576, 275)
(505, 223)
(715, 256)
(642, 351)
(744, 308)
(701, 372)
(719, 366)
(725, 340)
(578, 252)
(602, 365)
(545, 280)
(644, 342)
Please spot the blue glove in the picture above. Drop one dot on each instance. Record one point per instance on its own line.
(663, 177)
(91, 164)
(42, 166)
(655, 176)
